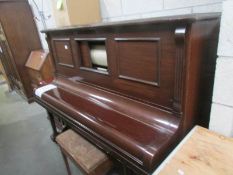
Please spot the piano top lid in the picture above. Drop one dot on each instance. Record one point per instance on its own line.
(178, 18)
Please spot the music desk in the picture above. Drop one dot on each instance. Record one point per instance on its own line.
(200, 152)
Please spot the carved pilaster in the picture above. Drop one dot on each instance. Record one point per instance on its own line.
(179, 69)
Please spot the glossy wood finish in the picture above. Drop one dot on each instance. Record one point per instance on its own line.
(140, 54)
(21, 33)
(158, 85)
(108, 111)
(63, 51)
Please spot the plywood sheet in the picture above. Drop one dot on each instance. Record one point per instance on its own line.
(203, 152)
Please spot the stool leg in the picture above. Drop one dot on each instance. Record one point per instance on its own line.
(66, 163)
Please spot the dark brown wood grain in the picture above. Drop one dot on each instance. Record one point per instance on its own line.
(63, 51)
(158, 85)
(22, 36)
(179, 68)
(140, 54)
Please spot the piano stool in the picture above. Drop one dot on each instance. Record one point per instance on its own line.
(86, 156)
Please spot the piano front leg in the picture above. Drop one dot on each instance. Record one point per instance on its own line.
(54, 128)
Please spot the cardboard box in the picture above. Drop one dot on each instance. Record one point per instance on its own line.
(76, 12)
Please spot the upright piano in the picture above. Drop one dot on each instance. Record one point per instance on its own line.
(133, 88)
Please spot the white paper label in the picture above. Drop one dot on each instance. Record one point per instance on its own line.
(44, 89)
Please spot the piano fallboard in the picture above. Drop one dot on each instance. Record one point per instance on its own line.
(115, 120)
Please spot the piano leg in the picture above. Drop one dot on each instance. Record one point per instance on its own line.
(52, 121)
(66, 162)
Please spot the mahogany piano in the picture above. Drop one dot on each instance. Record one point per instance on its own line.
(134, 88)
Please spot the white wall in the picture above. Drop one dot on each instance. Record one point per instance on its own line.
(46, 6)
(222, 107)
(116, 10)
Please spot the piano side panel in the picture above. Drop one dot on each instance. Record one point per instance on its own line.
(200, 68)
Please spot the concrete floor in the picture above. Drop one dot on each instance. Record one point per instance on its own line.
(25, 145)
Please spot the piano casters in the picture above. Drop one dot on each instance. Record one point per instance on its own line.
(52, 121)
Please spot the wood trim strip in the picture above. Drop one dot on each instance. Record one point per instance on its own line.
(90, 39)
(179, 69)
(67, 65)
(60, 39)
(94, 70)
(138, 80)
(138, 39)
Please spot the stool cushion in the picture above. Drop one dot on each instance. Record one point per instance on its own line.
(86, 155)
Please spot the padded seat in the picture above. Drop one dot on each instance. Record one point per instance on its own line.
(90, 160)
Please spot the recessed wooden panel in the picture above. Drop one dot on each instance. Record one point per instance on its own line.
(63, 50)
(138, 59)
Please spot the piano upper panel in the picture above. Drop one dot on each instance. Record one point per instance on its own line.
(147, 60)
(141, 61)
(157, 61)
